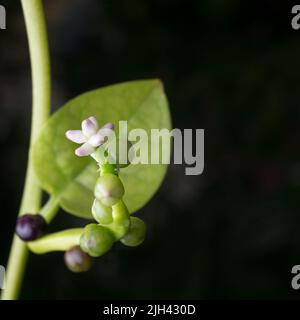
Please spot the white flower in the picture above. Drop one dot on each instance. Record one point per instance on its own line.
(90, 136)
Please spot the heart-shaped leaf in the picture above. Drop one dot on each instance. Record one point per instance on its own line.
(71, 179)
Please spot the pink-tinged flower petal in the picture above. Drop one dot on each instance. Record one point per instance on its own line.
(89, 128)
(76, 136)
(107, 130)
(96, 140)
(109, 125)
(95, 122)
(85, 150)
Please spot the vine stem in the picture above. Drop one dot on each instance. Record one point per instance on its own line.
(50, 209)
(58, 241)
(41, 101)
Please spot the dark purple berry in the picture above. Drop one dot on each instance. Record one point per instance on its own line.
(78, 261)
(30, 227)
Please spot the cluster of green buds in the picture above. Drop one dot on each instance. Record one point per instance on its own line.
(113, 220)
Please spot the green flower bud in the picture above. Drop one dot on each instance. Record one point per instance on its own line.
(77, 261)
(136, 234)
(102, 213)
(109, 189)
(96, 240)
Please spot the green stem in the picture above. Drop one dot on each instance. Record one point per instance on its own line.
(41, 87)
(58, 241)
(108, 168)
(50, 209)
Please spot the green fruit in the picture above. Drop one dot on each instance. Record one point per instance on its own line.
(136, 234)
(102, 213)
(77, 261)
(109, 189)
(96, 240)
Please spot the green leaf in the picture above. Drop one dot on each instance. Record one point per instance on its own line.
(71, 179)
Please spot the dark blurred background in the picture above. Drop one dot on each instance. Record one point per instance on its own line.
(230, 67)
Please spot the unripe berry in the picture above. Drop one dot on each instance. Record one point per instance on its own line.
(102, 213)
(77, 261)
(136, 234)
(30, 227)
(96, 240)
(109, 189)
